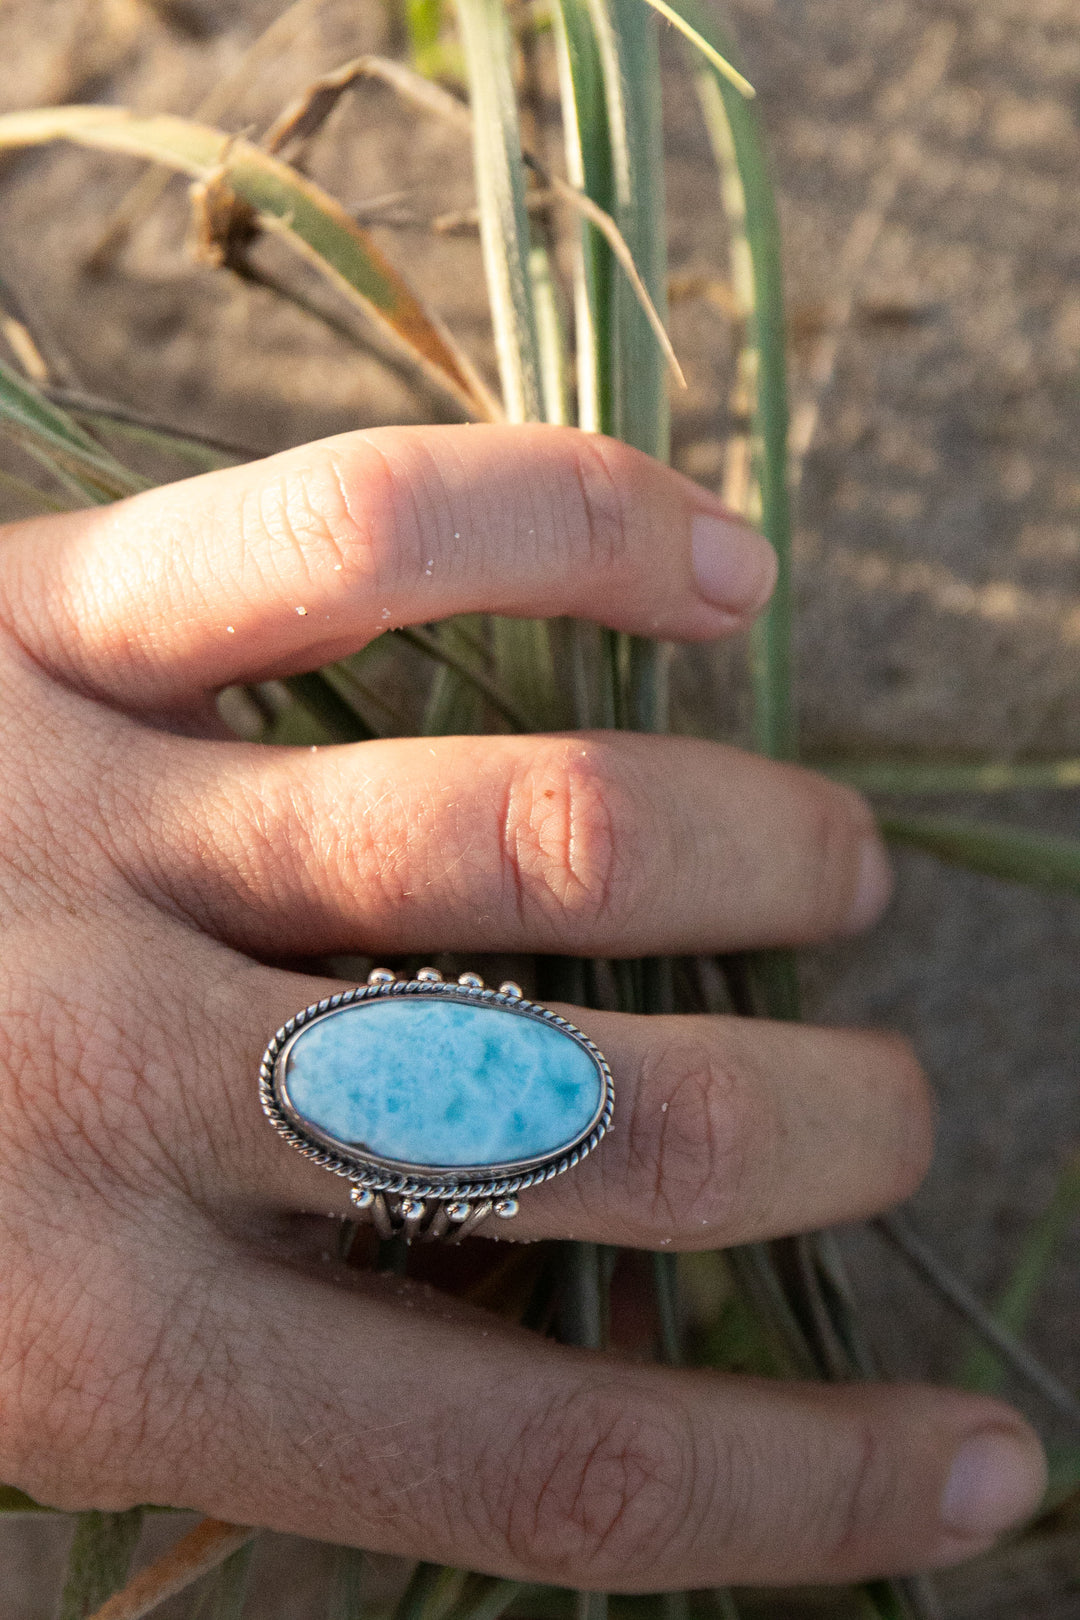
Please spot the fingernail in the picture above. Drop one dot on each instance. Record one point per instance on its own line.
(873, 886)
(734, 566)
(997, 1480)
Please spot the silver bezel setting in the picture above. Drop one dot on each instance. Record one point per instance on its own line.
(472, 1184)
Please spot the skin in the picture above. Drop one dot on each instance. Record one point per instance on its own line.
(166, 1333)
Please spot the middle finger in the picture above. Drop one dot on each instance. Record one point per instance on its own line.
(584, 844)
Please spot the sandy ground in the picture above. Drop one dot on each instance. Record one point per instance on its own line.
(927, 157)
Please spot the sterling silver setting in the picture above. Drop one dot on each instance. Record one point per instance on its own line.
(415, 1201)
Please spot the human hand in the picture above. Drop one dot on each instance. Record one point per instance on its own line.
(160, 1338)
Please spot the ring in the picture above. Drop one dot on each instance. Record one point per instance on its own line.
(438, 1101)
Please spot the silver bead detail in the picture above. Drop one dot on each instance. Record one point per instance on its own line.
(471, 981)
(458, 1212)
(411, 1209)
(507, 1208)
(509, 988)
(381, 976)
(362, 1197)
(430, 976)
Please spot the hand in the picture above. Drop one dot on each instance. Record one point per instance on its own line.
(159, 1339)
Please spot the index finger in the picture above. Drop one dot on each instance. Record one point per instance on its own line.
(291, 562)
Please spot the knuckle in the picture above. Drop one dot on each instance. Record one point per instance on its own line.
(696, 1151)
(604, 469)
(601, 1485)
(569, 837)
(301, 519)
(856, 1505)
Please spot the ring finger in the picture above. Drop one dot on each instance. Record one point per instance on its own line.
(724, 1131)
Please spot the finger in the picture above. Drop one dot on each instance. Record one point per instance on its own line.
(725, 1130)
(584, 844)
(384, 1419)
(300, 559)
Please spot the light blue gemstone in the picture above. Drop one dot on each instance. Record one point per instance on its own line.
(436, 1082)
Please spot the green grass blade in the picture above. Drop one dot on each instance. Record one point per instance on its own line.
(983, 1369)
(816, 1321)
(485, 1597)
(454, 707)
(317, 694)
(927, 1264)
(591, 1605)
(230, 1584)
(460, 660)
(1014, 854)
(198, 451)
(522, 647)
(424, 20)
(99, 1561)
(347, 1585)
(1064, 1474)
(632, 365)
(500, 192)
(626, 52)
(24, 404)
(585, 74)
(642, 415)
(432, 1591)
(550, 336)
(666, 1292)
(13, 1500)
(57, 441)
(908, 776)
(750, 205)
(281, 200)
(588, 164)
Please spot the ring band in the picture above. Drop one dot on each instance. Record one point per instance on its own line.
(439, 1101)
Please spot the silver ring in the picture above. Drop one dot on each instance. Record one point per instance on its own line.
(395, 1086)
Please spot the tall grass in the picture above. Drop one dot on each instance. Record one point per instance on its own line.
(587, 351)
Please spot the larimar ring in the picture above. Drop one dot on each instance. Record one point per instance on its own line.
(438, 1101)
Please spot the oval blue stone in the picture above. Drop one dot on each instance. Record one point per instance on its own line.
(436, 1082)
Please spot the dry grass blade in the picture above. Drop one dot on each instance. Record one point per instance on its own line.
(708, 51)
(203, 1549)
(20, 341)
(306, 115)
(616, 241)
(280, 200)
(148, 188)
(99, 1559)
(33, 346)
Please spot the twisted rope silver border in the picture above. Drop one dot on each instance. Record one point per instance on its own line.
(361, 1170)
